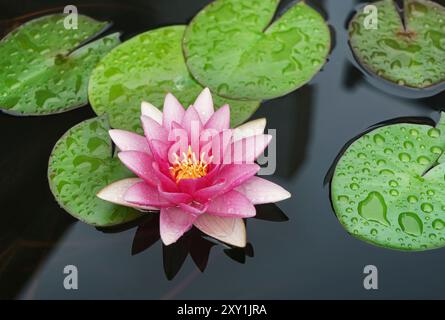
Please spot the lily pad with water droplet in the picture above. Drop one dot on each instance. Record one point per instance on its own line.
(232, 47)
(44, 68)
(80, 165)
(388, 187)
(407, 47)
(146, 68)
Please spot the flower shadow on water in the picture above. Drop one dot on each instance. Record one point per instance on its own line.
(194, 243)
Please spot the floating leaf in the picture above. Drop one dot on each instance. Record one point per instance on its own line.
(232, 48)
(407, 48)
(43, 70)
(80, 165)
(146, 68)
(389, 185)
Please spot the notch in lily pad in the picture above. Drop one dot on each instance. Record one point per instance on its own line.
(146, 68)
(406, 50)
(234, 48)
(388, 186)
(81, 165)
(45, 67)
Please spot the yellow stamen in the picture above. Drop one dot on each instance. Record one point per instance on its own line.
(189, 167)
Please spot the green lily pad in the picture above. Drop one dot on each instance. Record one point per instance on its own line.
(80, 165)
(146, 68)
(232, 47)
(407, 48)
(388, 187)
(44, 68)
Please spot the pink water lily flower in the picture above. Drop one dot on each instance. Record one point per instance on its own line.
(194, 169)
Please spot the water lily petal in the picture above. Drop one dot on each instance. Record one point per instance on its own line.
(220, 120)
(173, 111)
(260, 191)
(236, 174)
(191, 185)
(215, 146)
(192, 124)
(174, 222)
(188, 185)
(231, 204)
(205, 194)
(207, 180)
(140, 163)
(174, 197)
(251, 128)
(204, 105)
(228, 230)
(153, 130)
(228, 178)
(143, 194)
(165, 179)
(115, 192)
(247, 150)
(149, 110)
(195, 209)
(129, 141)
(160, 150)
(176, 125)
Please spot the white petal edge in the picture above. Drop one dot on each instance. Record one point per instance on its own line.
(115, 192)
(251, 128)
(174, 223)
(228, 230)
(149, 110)
(261, 191)
(204, 105)
(129, 141)
(172, 111)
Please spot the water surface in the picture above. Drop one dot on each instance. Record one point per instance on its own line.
(311, 256)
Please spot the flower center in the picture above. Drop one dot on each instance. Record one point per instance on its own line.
(189, 167)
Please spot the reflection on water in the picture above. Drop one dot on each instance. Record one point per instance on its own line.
(26, 239)
(193, 243)
(352, 76)
(32, 224)
(292, 135)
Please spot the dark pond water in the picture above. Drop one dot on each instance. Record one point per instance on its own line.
(310, 256)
